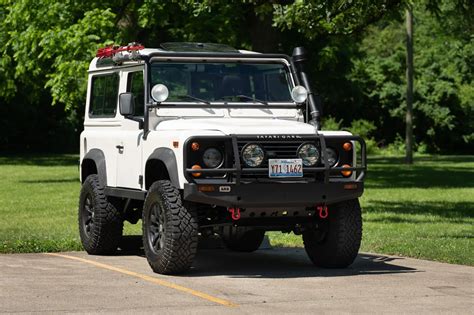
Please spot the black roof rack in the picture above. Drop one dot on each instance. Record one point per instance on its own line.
(197, 47)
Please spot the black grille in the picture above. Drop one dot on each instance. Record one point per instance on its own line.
(274, 149)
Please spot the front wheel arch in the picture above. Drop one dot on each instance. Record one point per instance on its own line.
(161, 165)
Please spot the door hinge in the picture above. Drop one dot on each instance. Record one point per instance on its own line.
(140, 181)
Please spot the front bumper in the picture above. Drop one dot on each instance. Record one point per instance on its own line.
(273, 194)
(320, 185)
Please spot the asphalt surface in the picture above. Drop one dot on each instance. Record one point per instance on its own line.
(267, 281)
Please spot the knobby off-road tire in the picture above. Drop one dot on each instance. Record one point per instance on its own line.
(100, 223)
(170, 231)
(337, 247)
(248, 241)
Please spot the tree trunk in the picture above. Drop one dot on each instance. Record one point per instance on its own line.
(409, 73)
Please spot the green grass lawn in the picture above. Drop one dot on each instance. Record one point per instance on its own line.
(423, 211)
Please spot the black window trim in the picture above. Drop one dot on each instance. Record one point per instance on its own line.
(242, 58)
(129, 89)
(91, 116)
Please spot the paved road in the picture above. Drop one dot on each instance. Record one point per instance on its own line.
(267, 281)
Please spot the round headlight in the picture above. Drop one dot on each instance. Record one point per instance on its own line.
(253, 155)
(331, 156)
(160, 92)
(309, 153)
(299, 94)
(212, 158)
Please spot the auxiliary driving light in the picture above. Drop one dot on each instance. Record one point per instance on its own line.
(253, 155)
(309, 153)
(299, 94)
(160, 93)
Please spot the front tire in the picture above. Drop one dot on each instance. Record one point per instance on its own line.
(100, 223)
(336, 246)
(170, 231)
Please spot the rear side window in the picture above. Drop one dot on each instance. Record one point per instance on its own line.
(104, 95)
(135, 85)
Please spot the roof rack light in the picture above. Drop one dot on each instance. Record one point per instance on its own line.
(110, 51)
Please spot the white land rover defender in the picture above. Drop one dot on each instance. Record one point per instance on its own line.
(203, 139)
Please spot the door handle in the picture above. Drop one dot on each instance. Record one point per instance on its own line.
(120, 147)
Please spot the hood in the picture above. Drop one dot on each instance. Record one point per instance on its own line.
(241, 126)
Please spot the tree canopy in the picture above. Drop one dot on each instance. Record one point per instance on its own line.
(357, 58)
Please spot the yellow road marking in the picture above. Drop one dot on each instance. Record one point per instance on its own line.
(154, 280)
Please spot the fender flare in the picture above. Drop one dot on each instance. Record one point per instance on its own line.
(168, 158)
(98, 157)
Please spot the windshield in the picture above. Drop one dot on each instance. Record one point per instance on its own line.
(223, 81)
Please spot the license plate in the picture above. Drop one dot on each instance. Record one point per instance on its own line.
(285, 168)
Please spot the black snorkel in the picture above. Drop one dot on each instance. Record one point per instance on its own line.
(314, 101)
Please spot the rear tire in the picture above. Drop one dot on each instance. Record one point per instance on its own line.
(247, 242)
(170, 231)
(338, 245)
(100, 223)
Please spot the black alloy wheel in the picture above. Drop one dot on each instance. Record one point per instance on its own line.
(156, 237)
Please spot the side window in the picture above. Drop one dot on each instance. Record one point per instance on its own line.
(135, 85)
(104, 95)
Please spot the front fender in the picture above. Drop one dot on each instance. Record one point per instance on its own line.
(168, 158)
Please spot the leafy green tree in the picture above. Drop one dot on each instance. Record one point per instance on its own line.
(46, 46)
(443, 76)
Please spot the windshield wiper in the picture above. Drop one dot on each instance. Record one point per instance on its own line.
(196, 99)
(252, 99)
(247, 98)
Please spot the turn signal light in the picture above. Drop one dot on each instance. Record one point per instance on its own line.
(196, 167)
(347, 146)
(195, 146)
(206, 188)
(350, 186)
(348, 172)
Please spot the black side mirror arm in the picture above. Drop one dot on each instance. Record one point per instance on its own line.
(139, 120)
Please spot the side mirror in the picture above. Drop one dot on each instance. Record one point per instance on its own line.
(127, 104)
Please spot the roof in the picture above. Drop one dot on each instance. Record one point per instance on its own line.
(179, 49)
(197, 47)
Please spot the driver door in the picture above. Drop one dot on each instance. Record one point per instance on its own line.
(130, 141)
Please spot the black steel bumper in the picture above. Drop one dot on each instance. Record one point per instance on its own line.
(273, 194)
(234, 191)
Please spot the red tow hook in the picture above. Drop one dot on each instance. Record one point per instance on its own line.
(323, 211)
(235, 213)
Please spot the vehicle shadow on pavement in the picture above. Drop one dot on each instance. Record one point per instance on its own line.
(285, 263)
(275, 262)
